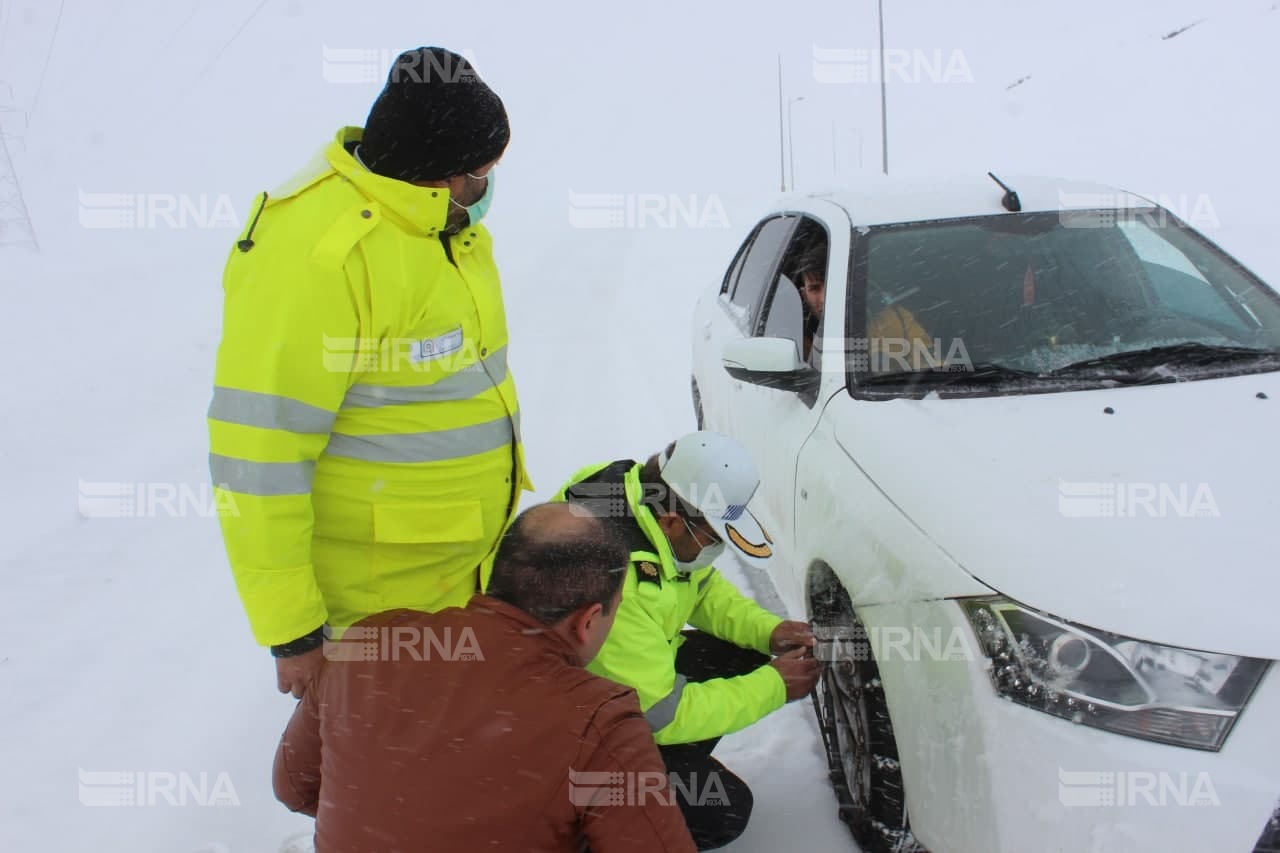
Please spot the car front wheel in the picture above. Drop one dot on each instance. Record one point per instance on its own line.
(857, 732)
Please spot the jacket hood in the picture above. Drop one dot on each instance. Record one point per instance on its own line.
(420, 209)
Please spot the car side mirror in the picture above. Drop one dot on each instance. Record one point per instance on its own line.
(771, 362)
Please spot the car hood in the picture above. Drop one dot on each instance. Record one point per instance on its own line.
(1156, 520)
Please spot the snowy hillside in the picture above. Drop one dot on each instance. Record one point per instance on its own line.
(123, 645)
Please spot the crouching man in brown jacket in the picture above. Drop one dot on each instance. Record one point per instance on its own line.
(478, 728)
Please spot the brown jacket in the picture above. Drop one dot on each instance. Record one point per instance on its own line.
(463, 735)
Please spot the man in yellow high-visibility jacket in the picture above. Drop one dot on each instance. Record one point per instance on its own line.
(676, 512)
(364, 425)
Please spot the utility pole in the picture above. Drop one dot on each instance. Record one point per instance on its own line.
(791, 145)
(782, 154)
(834, 167)
(884, 97)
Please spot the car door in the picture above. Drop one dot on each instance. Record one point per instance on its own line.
(732, 316)
(781, 420)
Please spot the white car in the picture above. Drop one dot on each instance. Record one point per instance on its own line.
(1021, 472)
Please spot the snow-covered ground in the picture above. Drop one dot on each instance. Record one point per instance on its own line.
(122, 643)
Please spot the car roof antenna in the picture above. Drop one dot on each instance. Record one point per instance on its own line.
(1010, 201)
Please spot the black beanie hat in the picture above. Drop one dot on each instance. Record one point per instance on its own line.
(434, 119)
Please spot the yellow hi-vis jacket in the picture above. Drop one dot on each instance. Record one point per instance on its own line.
(363, 422)
(657, 603)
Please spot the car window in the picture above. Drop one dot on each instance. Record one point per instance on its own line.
(1037, 292)
(760, 265)
(731, 275)
(784, 317)
(797, 300)
(1179, 286)
(1151, 248)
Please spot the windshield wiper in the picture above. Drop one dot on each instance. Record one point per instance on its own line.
(985, 373)
(1188, 354)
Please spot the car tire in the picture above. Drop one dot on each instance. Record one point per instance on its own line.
(697, 404)
(857, 732)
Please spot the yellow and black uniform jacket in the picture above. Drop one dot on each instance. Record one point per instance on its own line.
(657, 603)
(364, 426)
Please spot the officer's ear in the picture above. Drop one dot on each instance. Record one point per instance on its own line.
(670, 523)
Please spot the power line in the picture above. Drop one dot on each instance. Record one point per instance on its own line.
(57, 25)
(195, 7)
(218, 55)
(231, 40)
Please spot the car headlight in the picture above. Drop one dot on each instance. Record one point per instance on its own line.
(1123, 685)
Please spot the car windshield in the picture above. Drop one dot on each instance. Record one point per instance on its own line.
(1080, 295)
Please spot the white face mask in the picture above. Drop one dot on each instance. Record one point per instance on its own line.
(708, 555)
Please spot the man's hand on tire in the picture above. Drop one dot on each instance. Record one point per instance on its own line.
(799, 670)
(791, 635)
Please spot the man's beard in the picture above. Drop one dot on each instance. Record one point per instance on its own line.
(457, 220)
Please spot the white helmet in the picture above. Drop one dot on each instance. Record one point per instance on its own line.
(715, 475)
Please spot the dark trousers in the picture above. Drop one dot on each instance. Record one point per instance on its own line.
(716, 804)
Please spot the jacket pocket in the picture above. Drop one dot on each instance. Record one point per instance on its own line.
(409, 524)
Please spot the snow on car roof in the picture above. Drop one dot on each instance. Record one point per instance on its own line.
(885, 200)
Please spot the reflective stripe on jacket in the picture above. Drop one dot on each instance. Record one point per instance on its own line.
(657, 603)
(363, 419)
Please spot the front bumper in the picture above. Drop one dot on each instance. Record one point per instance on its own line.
(983, 774)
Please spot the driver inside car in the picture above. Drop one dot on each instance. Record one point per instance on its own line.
(901, 342)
